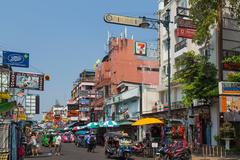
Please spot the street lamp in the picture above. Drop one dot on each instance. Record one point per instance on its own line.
(151, 23)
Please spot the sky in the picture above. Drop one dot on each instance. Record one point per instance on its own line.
(64, 37)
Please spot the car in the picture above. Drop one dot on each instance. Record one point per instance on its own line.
(68, 137)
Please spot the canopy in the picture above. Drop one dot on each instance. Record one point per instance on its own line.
(124, 122)
(146, 121)
(93, 125)
(78, 128)
(110, 123)
(5, 107)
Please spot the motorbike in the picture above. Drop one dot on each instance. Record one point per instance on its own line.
(175, 151)
(138, 149)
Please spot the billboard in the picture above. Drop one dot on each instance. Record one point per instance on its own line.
(16, 59)
(23, 80)
(141, 48)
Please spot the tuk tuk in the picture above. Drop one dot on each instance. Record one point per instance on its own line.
(118, 145)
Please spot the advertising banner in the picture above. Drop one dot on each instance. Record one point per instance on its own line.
(33, 81)
(230, 104)
(16, 59)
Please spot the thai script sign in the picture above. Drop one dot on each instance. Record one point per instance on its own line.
(16, 59)
(185, 32)
(229, 88)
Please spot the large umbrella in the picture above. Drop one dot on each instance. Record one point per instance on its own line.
(110, 123)
(146, 121)
(92, 125)
(78, 128)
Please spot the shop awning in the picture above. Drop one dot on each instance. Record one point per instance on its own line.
(146, 121)
(124, 122)
(7, 106)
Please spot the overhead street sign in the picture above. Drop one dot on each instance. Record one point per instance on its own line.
(123, 20)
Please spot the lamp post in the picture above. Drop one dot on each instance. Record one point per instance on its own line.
(151, 23)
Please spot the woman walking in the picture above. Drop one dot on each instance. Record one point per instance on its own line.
(33, 143)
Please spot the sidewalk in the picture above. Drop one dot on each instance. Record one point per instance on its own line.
(194, 157)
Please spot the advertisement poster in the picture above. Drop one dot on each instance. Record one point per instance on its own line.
(23, 80)
(230, 104)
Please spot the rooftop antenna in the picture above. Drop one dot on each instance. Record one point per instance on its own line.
(125, 32)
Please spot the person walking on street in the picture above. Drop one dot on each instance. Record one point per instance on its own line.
(58, 146)
(33, 143)
(50, 141)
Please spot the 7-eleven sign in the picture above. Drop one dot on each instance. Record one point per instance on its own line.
(141, 48)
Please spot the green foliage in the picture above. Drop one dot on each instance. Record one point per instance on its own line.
(234, 77)
(205, 15)
(198, 77)
(232, 59)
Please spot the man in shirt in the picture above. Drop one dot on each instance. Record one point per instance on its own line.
(58, 146)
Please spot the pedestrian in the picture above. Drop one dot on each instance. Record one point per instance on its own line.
(90, 142)
(33, 143)
(50, 141)
(58, 146)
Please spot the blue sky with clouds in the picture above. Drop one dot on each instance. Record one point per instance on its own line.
(64, 37)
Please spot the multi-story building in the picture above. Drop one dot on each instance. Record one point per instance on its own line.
(225, 42)
(122, 78)
(82, 95)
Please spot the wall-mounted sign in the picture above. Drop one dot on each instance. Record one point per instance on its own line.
(141, 48)
(84, 101)
(183, 12)
(73, 113)
(16, 59)
(230, 104)
(23, 80)
(32, 104)
(73, 107)
(185, 32)
(229, 88)
(231, 66)
(185, 23)
(84, 109)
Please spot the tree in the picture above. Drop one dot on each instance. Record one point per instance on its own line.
(206, 14)
(198, 77)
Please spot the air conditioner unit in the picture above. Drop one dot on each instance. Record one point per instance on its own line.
(165, 70)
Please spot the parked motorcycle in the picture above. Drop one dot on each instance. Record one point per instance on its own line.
(175, 151)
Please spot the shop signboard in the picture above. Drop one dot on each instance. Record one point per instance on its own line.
(16, 59)
(229, 88)
(185, 33)
(23, 80)
(84, 109)
(73, 113)
(230, 103)
(141, 48)
(84, 101)
(185, 23)
(73, 107)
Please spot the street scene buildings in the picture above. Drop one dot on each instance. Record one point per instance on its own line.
(145, 92)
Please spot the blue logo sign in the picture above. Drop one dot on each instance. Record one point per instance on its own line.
(16, 59)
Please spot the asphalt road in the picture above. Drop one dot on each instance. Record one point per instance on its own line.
(71, 152)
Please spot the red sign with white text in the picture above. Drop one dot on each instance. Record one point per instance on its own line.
(185, 32)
